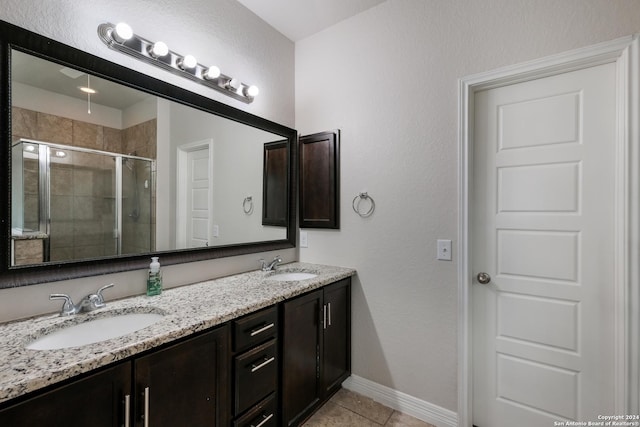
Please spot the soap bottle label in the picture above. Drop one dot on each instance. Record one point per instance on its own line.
(154, 283)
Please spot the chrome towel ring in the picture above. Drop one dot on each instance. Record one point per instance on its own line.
(356, 204)
(247, 205)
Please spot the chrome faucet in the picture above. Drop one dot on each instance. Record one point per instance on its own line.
(89, 303)
(272, 265)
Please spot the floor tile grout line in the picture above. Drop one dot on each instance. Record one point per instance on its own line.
(361, 415)
(389, 418)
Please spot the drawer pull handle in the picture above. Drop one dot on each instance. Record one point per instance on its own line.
(324, 316)
(127, 410)
(263, 364)
(264, 420)
(262, 329)
(146, 407)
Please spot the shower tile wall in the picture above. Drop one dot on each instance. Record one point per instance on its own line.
(84, 200)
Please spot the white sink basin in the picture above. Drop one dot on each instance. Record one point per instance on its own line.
(290, 277)
(95, 331)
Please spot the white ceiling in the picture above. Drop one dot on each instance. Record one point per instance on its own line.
(297, 19)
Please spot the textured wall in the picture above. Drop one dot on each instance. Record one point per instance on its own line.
(388, 79)
(221, 32)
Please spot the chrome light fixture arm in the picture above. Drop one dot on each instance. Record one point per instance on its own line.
(186, 66)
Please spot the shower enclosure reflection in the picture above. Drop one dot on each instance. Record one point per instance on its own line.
(75, 203)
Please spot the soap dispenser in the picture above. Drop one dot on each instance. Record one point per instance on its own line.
(154, 280)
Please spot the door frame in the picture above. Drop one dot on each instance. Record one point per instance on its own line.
(181, 180)
(625, 53)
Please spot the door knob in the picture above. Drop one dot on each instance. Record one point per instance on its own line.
(483, 278)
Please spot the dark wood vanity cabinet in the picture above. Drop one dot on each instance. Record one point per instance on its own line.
(316, 349)
(336, 351)
(185, 384)
(256, 369)
(96, 400)
(269, 368)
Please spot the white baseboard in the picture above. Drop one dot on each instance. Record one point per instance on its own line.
(402, 402)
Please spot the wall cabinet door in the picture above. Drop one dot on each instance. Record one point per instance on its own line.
(96, 400)
(316, 349)
(319, 191)
(185, 384)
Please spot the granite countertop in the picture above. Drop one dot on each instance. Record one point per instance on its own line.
(30, 236)
(186, 309)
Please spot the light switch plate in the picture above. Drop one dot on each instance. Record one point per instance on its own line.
(444, 250)
(216, 231)
(304, 243)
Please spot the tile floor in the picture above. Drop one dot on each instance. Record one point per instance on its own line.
(350, 409)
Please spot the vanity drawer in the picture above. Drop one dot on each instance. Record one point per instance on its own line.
(255, 328)
(264, 414)
(256, 375)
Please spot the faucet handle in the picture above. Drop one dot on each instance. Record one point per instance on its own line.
(99, 293)
(68, 308)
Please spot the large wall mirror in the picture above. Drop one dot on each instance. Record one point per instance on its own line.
(103, 166)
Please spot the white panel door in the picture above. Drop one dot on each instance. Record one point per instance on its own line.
(543, 227)
(198, 194)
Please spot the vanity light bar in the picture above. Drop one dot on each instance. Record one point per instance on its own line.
(120, 37)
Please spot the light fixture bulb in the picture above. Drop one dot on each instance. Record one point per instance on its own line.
(188, 62)
(122, 32)
(252, 91)
(29, 148)
(61, 154)
(233, 84)
(87, 89)
(158, 49)
(212, 72)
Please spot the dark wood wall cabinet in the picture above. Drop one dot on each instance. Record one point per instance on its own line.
(316, 349)
(320, 180)
(272, 367)
(275, 184)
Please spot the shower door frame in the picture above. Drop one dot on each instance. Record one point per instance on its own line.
(44, 193)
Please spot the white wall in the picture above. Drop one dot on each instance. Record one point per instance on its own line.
(224, 33)
(388, 79)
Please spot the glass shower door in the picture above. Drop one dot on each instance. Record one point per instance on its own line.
(82, 194)
(137, 207)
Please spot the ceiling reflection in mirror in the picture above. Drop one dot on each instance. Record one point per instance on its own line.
(101, 170)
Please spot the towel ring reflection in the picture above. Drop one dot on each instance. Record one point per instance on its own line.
(247, 205)
(356, 204)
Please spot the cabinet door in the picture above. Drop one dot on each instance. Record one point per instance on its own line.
(185, 384)
(336, 366)
(301, 388)
(97, 401)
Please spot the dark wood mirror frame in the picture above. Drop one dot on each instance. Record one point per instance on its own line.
(13, 37)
